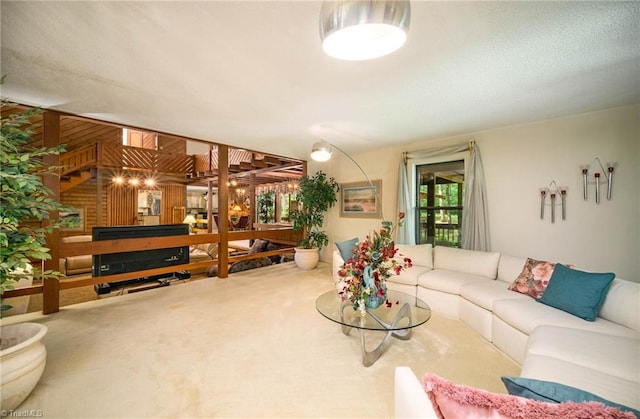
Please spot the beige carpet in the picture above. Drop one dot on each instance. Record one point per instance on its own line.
(251, 345)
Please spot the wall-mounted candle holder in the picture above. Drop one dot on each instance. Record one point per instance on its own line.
(598, 175)
(553, 191)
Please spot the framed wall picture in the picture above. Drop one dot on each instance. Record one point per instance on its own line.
(76, 213)
(361, 200)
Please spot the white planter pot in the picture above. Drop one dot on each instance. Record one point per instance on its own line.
(23, 357)
(307, 259)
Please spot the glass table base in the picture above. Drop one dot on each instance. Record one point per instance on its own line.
(370, 357)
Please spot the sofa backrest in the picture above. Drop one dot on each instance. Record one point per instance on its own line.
(77, 239)
(510, 267)
(467, 261)
(420, 254)
(622, 304)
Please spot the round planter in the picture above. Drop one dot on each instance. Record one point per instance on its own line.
(307, 259)
(23, 357)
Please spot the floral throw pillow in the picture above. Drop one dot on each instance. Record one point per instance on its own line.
(534, 278)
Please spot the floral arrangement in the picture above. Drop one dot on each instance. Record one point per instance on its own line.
(363, 276)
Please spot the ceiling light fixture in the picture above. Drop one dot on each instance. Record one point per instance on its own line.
(362, 30)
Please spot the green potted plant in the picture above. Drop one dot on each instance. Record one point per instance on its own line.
(317, 193)
(24, 204)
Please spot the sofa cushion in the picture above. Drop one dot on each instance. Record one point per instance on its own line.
(577, 292)
(614, 355)
(607, 386)
(447, 281)
(485, 293)
(547, 391)
(77, 239)
(467, 261)
(509, 267)
(346, 248)
(420, 254)
(74, 265)
(409, 276)
(452, 400)
(622, 304)
(527, 314)
(534, 278)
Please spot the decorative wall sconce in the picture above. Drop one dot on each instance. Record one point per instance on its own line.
(608, 173)
(553, 190)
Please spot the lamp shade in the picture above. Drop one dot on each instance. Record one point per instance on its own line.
(189, 219)
(362, 30)
(321, 151)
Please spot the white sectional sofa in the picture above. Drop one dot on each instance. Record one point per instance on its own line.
(601, 357)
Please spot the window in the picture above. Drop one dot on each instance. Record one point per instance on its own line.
(439, 208)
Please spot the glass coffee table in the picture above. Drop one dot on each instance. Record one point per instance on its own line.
(405, 313)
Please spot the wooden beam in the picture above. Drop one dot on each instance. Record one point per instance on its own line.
(51, 286)
(223, 210)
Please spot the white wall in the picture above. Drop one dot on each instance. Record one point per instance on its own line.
(518, 161)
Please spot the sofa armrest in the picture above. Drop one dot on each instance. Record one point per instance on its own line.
(410, 399)
(337, 261)
(62, 267)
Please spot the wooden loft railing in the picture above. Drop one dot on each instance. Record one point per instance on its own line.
(78, 159)
(51, 303)
(117, 156)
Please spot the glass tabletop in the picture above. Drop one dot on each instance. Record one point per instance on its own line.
(384, 318)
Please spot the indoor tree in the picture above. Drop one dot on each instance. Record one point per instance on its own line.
(27, 207)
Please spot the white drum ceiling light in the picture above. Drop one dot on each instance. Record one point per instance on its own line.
(362, 30)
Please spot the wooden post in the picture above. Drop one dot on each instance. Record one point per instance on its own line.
(223, 210)
(252, 200)
(51, 286)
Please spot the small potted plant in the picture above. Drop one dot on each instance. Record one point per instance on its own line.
(316, 195)
(24, 204)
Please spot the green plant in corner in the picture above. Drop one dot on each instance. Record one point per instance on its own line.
(26, 205)
(316, 195)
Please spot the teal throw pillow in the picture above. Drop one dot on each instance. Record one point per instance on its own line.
(577, 292)
(546, 391)
(346, 248)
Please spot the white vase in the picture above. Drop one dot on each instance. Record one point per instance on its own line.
(23, 357)
(307, 259)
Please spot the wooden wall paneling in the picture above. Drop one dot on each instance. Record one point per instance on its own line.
(76, 133)
(149, 140)
(171, 144)
(173, 195)
(178, 214)
(84, 197)
(122, 205)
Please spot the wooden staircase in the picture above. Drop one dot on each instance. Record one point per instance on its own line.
(77, 166)
(74, 179)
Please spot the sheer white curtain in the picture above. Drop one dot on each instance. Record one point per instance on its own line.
(475, 225)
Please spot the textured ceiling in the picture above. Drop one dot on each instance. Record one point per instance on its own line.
(253, 74)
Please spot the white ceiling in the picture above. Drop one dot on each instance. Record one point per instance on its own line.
(253, 74)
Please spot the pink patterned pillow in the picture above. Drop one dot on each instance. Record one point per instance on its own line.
(534, 278)
(452, 400)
